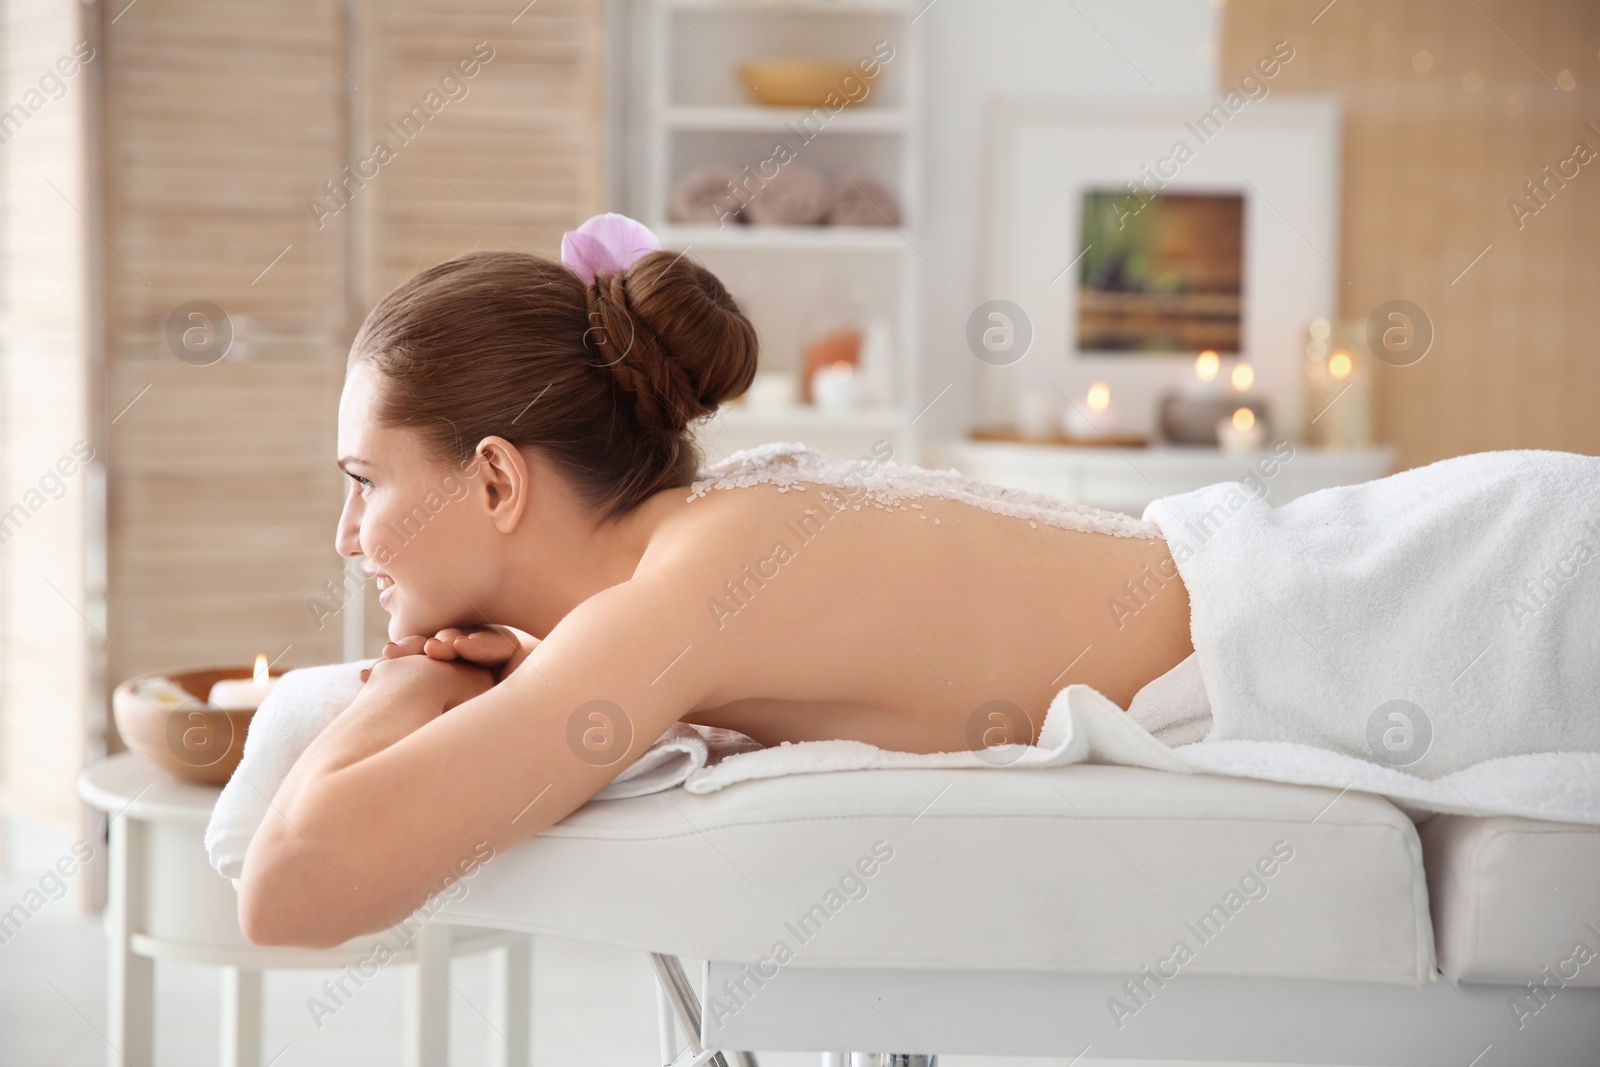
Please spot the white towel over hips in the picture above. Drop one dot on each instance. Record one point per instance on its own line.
(1431, 620)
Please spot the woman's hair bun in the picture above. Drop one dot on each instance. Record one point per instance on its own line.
(675, 342)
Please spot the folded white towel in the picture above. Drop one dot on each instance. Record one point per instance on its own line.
(1084, 726)
(1174, 706)
(305, 700)
(302, 703)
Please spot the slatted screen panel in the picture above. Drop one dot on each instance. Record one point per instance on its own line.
(223, 118)
(517, 160)
(1435, 147)
(228, 120)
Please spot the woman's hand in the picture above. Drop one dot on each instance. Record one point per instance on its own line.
(449, 682)
(497, 648)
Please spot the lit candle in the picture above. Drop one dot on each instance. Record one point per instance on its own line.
(1241, 432)
(1340, 365)
(1206, 367)
(1243, 377)
(1339, 385)
(836, 387)
(1094, 417)
(243, 694)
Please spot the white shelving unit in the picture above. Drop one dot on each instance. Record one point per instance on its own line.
(790, 279)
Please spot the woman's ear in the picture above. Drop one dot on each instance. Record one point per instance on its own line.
(504, 481)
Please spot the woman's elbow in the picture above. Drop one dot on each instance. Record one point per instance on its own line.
(279, 906)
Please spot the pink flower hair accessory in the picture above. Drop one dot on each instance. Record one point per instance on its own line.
(605, 244)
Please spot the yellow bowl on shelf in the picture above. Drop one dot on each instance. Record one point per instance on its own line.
(803, 82)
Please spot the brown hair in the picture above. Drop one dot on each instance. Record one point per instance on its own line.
(602, 379)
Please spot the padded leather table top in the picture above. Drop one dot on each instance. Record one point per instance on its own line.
(1513, 897)
(1084, 868)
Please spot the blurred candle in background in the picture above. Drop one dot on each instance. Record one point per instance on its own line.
(1093, 416)
(1241, 432)
(1204, 382)
(836, 387)
(1339, 372)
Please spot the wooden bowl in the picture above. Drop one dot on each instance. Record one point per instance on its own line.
(193, 741)
(800, 82)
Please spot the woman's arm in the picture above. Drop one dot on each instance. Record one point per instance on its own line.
(393, 801)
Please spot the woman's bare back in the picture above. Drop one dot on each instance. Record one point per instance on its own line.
(901, 624)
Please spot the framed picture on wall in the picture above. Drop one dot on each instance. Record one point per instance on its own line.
(1135, 237)
(1160, 274)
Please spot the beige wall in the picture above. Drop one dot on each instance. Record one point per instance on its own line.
(1430, 162)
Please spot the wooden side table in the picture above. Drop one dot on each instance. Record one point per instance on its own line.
(166, 902)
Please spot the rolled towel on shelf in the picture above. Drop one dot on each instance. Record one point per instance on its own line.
(795, 196)
(862, 200)
(707, 195)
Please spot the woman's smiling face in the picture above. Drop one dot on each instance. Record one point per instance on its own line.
(410, 516)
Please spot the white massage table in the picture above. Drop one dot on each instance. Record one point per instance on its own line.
(1017, 903)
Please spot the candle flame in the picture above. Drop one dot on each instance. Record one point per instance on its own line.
(1243, 419)
(1099, 397)
(1206, 365)
(1340, 365)
(1243, 376)
(842, 368)
(261, 674)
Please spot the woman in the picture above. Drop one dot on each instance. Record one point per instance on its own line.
(516, 433)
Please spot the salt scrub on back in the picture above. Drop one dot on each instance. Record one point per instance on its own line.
(888, 485)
